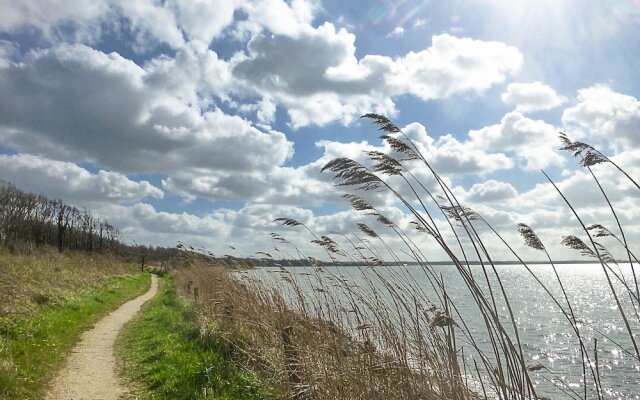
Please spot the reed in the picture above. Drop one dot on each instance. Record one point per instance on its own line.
(372, 331)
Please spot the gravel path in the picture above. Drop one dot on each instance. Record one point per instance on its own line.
(90, 373)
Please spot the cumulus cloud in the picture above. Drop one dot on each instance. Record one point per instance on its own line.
(278, 16)
(148, 22)
(534, 96)
(317, 76)
(453, 65)
(47, 16)
(303, 74)
(86, 20)
(311, 71)
(194, 75)
(491, 191)
(223, 227)
(303, 185)
(282, 63)
(75, 104)
(450, 155)
(447, 154)
(203, 20)
(71, 182)
(143, 223)
(160, 221)
(581, 189)
(532, 141)
(605, 114)
(169, 113)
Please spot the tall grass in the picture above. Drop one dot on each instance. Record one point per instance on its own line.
(28, 279)
(329, 335)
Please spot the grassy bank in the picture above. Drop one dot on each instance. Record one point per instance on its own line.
(163, 352)
(44, 275)
(35, 338)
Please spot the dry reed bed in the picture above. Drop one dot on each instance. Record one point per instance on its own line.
(328, 339)
(313, 352)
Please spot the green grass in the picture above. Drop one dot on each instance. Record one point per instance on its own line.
(34, 345)
(162, 352)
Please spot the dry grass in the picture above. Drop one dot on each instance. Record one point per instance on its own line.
(309, 349)
(44, 275)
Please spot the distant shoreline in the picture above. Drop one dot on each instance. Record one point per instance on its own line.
(298, 263)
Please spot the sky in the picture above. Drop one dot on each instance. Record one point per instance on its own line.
(202, 121)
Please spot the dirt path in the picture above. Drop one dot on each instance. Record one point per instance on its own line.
(90, 373)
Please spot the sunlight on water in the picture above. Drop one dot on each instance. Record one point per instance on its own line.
(545, 334)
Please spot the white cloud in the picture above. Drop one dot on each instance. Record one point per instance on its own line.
(605, 114)
(317, 77)
(47, 16)
(491, 191)
(447, 154)
(313, 72)
(160, 221)
(75, 104)
(452, 156)
(533, 141)
(164, 115)
(304, 186)
(581, 189)
(312, 75)
(194, 75)
(203, 20)
(247, 229)
(266, 112)
(86, 19)
(142, 223)
(285, 64)
(534, 96)
(396, 33)
(149, 22)
(71, 182)
(453, 65)
(278, 16)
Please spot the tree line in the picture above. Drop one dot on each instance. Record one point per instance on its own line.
(36, 220)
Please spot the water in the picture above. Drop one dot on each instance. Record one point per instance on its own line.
(545, 334)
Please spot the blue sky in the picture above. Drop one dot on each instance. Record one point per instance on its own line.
(202, 121)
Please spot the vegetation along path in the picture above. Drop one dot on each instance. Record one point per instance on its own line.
(90, 372)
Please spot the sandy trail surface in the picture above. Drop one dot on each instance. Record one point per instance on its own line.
(90, 373)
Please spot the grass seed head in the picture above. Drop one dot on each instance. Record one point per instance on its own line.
(530, 238)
